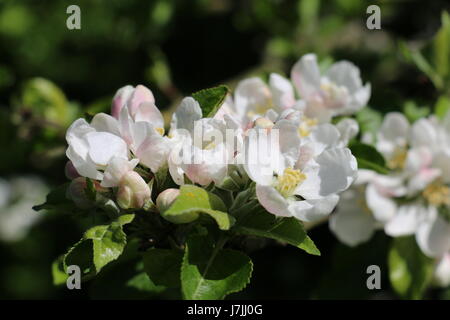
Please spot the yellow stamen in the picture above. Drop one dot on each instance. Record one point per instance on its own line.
(305, 126)
(288, 181)
(398, 160)
(437, 194)
(160, 131)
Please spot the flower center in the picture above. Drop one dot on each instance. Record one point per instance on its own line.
(398, 160)
(288, 181)
(437, 194)
(334, 95)
(306, 125)
(160, 131)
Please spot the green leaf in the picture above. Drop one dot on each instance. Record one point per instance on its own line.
(56, 200)
(413, 112)
(369, 120)
(81, 255)
(194, 201)
(58, 273)
(410, 270)
(211, 99)
(163, 266)
(368, 157)
(108, 241)
(442, 107)
(441, 44)
(260, 223)
(209, 272)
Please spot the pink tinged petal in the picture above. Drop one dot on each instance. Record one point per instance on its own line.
(433, 234)
(383, 208)
(140, 95)
(315, 209)
(154, 151)
(126, 126)
(147, 111)
(442, 271)
(106, 123)
(116, 170)
(351, 223)
(83, 164)
(120, 99)
(406, 221)
(103, 146)
(272, 201)
(282, 91)
(306, 76)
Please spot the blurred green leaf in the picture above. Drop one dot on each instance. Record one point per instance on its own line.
(442, 107)
(413, 112)
(441, 43)
(368, 157)
(410, 270)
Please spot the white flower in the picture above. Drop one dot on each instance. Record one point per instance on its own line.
(338, 92)
(298, 179)
(91, 147)
(199, 148)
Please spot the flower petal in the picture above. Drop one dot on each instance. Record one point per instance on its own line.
(315, 209)
(433, 234)
(272, 201)
(306, 75)
(406, 221)
(103, 146)
(282, 91)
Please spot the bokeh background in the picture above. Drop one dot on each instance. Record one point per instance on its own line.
(50, 75)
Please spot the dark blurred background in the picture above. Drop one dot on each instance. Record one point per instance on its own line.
(50, 75)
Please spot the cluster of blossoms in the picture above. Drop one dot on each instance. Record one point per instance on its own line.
(413, 199)
(287, 142)
(282, 139)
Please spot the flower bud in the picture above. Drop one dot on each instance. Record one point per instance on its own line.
(263, 123)
(120, 99)
(70, 171)
(140, 95)
(77, 193)
(133, 191)
(166, 198)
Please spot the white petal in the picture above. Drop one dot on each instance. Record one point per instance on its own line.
(116, 170)
(78, 129)
(346, 74)
(406, 221)
(252, 96)
(103, 146)
(383, 208)
(154, 151)
(442, 162)
(120, 99)
(423, 133)
(324, 136)
(433, 234)
(83, 164)
(106, 123)
(186, 114)
(351, 223)
(306, 75)
(348, 129)
(282, 91)
(147, 111)
(313, 210)
(272, 200)
(393, 133)
(442, 271)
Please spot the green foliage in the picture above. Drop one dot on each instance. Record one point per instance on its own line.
(413, 112)
(410, 270)
(163, 266)
(194, 201)
(442, 107)
(211, 99)
(210, 272)
(368, 157)
(369, 121)
(263, 224)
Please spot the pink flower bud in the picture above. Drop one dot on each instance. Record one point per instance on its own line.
(166, 198)
(70, 171)
(140, 94)
(133, 191)
(120, 99)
